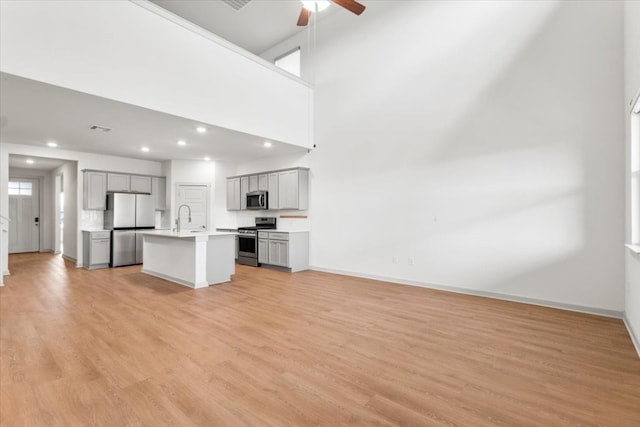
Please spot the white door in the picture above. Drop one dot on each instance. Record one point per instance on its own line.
(195, 196)
(24, 212)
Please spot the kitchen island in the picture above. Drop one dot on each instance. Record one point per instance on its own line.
(194, 259)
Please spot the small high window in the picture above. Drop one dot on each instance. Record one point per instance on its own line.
(290, 62)
(18, 188)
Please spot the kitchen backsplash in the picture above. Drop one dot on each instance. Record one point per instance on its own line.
(92, 220)
(247, 219)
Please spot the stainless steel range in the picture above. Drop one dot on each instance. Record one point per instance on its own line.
(248, 240)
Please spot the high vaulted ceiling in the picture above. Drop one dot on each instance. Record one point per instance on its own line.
(256, 27)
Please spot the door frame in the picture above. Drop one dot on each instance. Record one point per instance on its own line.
(41, 206)
(174, 204)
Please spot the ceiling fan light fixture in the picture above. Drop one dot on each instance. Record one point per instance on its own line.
(315, 5)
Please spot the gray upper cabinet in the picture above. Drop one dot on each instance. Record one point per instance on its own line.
(98, 183)
(233, 194)
(293, 189)
(95, 191)
(159, 192)
(140, 184)
(244, 189)
(287, 189)
(118, 182)
(253, 183)
(272, 188)
(263, 182)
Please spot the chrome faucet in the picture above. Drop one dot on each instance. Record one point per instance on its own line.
(178, 217)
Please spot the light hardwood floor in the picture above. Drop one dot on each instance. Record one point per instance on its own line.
(116, 347)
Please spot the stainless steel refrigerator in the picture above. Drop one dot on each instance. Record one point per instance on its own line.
(126, 216)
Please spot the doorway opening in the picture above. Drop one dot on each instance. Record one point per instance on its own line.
(58, 191)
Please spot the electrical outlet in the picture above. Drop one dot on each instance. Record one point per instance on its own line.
(395, 259)
(411, 260)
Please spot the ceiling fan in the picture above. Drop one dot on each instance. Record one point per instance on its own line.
(316, 6)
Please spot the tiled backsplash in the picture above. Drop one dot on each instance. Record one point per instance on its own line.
(92, 220)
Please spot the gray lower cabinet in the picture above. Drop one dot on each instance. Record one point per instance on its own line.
(279, 253)
(289, 250)
(96, 249)
(263, 251)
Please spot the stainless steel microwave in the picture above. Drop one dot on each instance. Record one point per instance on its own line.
(258, 200)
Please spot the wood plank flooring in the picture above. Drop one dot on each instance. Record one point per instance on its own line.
(116, 347)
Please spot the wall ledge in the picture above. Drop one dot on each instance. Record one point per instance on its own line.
(633, 248)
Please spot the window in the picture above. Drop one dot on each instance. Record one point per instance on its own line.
(17, 188)
(290, 62)
(635, 173)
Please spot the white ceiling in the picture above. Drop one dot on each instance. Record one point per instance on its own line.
(256, 27)
(39, 163)
(34, 113)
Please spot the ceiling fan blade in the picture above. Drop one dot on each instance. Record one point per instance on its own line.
(303, 19)
(350, 5)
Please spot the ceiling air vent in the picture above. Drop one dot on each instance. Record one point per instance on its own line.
(236, 4)
(100, 128)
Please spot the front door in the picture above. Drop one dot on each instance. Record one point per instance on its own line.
(195, 196)
(24, 212)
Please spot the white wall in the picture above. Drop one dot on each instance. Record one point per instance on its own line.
(482, 139)
(122, 51)
(71, 244)
(632, 85)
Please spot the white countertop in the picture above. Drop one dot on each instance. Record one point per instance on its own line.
(187, 234)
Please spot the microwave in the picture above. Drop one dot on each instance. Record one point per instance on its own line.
(258, 200)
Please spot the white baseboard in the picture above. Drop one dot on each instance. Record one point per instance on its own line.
(70, 258)
(4, 273)
(635, 338)
(488, 294)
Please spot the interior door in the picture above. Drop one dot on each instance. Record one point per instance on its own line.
(195, 196)
(24, 212)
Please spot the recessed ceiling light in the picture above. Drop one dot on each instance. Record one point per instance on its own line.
(52, 144)
(181, 142)
(201, 129)
(30, 161)
(267, 144)
(145, 149)
(207, 158)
